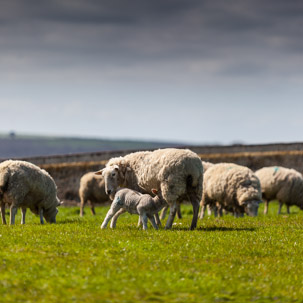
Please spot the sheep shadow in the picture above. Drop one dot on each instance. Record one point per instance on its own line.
(217, 228)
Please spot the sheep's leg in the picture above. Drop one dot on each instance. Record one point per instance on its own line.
(82, 207)
(280, 207)
(3, 213)
(139, 222)
(202, 212)
(195, 204)
(112, 211)
(220, 211)
(41, 215)
(215, 209)
(157, 219)
(153, 222)
(92, 208)
(13, 211)
(23, 212)
(209, 210)
(172, 214)
(115, 217)
(179, 211)
(163, 212)
(287, 206)
(266, 202)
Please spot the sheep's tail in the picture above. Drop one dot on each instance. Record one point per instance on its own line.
(4, 180)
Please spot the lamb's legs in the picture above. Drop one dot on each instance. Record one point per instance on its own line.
(115, 217)
(153, 222)
(266, 202)
(112, 211)
(172, 214)
(157, 219)
(144, 220)
(23, 212)
(13, 211)
(3, 213)
(41, 215)
(280, 207)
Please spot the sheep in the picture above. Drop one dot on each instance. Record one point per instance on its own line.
(92, 189)
(176, 173)
(283, 184)
(25, 185)
(206, 165)
(134, 202)
(232, 187)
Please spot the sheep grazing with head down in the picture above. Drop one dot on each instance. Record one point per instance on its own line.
(92, 189)
(176, 173)
(232, 187)
(25, 185)
(135, 203)
(283, 184)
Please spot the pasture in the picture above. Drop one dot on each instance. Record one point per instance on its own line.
(224, 260)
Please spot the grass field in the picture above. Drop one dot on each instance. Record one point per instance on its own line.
(224, 260)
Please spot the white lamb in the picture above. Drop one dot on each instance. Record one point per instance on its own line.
(134, 202)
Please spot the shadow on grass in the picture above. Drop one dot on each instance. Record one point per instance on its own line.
(216, 228)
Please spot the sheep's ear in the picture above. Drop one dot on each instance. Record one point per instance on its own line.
(99, 172)
(60, 203)
(154, 191)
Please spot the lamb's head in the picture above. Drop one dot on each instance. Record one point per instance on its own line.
(114, 176)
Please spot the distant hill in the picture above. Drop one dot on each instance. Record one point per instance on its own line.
(15, 146)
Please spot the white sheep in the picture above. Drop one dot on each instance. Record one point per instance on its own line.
(25, 185)
(206, 165)
(92, 189)
(283, 184)
(232, 187)
(134, 202)
(176, 173)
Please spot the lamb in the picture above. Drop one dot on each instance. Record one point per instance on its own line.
(25, 185)
(206, 165)
(176, 173)
(232, 187)
(283, 184)
(92, 189)
(135, 203)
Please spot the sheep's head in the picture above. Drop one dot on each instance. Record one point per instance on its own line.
(251, 207)
(50, 214)
(114, 176)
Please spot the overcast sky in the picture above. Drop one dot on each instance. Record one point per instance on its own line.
(190, 71)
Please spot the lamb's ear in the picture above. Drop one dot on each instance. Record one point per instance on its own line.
(99, 172)
(154, 191)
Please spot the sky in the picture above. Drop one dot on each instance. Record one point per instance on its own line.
(192, 71)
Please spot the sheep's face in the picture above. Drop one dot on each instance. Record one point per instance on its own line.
(251, 208)
(50, 214)
(112, 180)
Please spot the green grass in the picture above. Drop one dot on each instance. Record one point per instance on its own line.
(224, 260)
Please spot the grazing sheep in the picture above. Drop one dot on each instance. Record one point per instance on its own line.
(25, 185)
(135, 203)
(283, 184)
(234, 188)
(92, 189)
(176, 173)
(206, 165)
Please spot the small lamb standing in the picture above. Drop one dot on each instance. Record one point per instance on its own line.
(176, 173)
(135, 203)
(25, 185)
(232, 187)
(283, 184)
(92, 189)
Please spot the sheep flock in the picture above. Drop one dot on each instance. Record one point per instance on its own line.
(146, 182)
